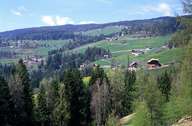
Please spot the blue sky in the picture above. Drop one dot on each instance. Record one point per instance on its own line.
(15, 14)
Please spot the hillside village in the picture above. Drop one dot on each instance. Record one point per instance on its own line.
(36, 60)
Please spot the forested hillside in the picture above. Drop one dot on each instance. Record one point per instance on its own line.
(156, 26)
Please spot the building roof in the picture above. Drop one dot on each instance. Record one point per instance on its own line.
(154, 61)
(133, 63)
(157, 60)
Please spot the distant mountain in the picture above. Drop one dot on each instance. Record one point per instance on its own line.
(157, 26)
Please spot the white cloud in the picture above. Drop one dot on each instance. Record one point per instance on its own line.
(48, 20)
(17, 13)
(87, 22)
(162, 8)
(165, 9)
(63, 20)
(58, 20)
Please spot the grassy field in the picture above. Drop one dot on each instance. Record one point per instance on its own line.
(166, 56)
(126, 43)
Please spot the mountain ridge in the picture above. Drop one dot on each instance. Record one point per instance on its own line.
(154, 26)
(93, 24)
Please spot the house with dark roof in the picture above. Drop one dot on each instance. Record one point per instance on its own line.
(153, 64)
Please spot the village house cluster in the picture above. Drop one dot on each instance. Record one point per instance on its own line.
(33, 60)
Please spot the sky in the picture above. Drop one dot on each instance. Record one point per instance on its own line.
(16, 14)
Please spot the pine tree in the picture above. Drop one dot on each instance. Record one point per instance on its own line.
(129, 90)
(164, 83)
(74, 93)
(21, 95)
(41, 110)
(154, 101)
(22, 73)
(5, 104)
(61, 113)
(16, 91)
(117, 84)
(51, 88)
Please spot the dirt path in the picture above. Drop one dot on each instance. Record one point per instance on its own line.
(126, 119)
(121, 51)
(187, 121)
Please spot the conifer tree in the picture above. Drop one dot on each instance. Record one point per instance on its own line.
(22, 74)
(74, 93)
(164, 83)
(51, 88)
(21, 96)
(117, 84)
(154, 101)
(129, 90)
(61, 113)
(5, 103)
(41, 110)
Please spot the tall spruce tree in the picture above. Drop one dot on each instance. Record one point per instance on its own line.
(74, 93)
(61, 113)
(21, 96)
(41, 110)
(164, 83)
(128, 98)
(51, 88)
(22, 74)
(154, 101)
(117, 84)
(5, 103)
